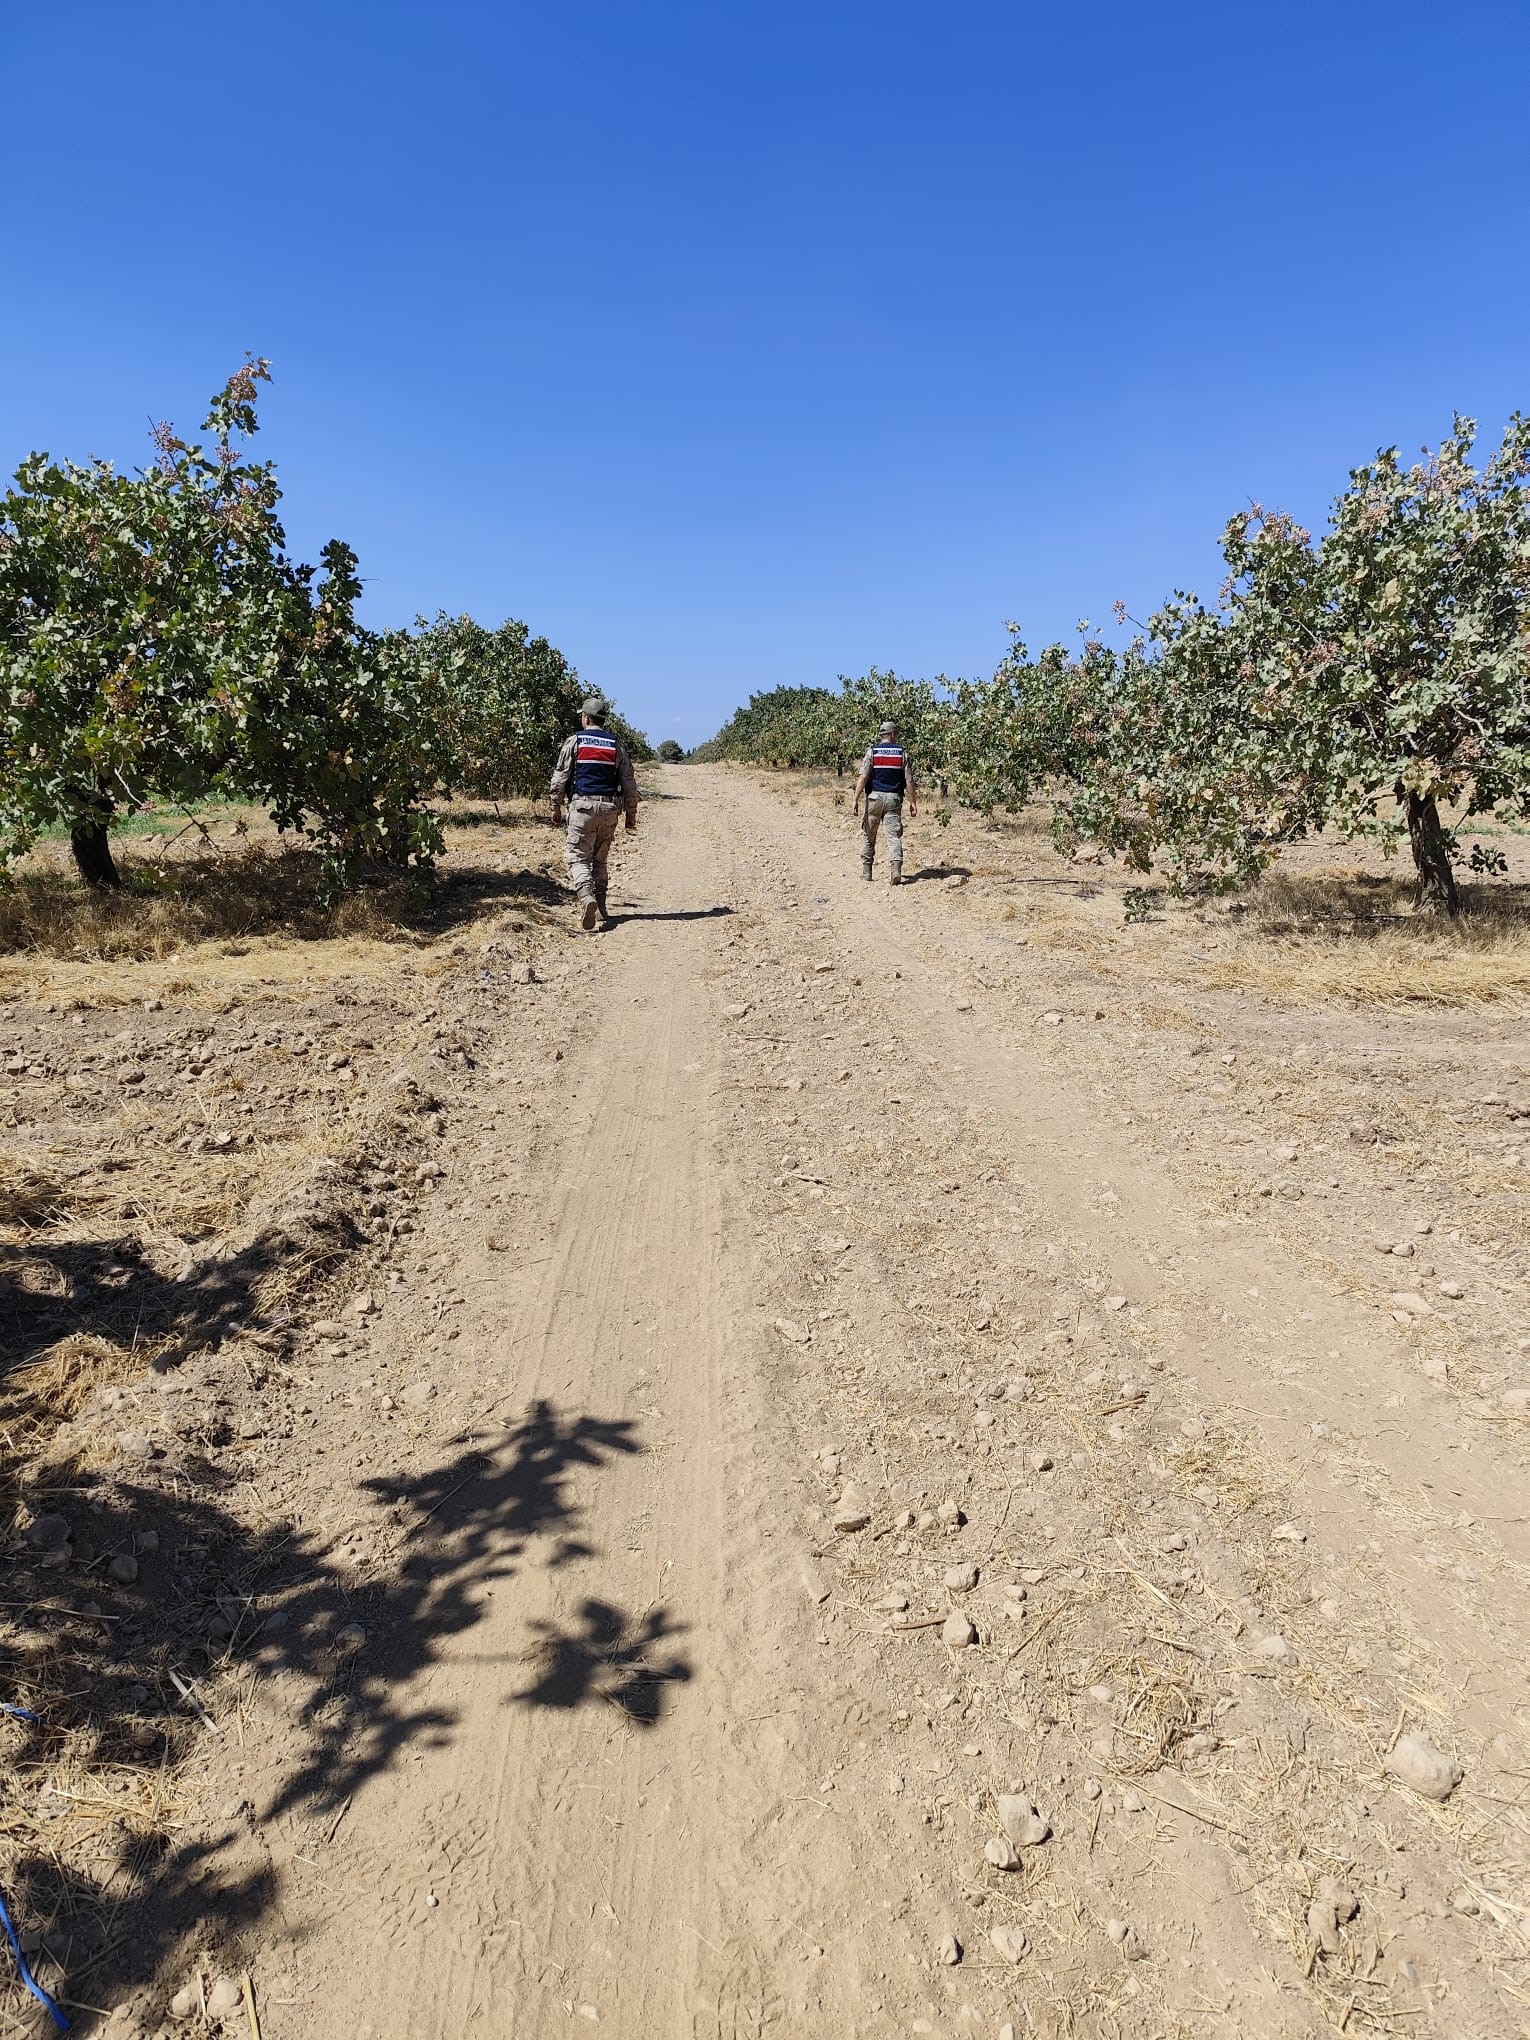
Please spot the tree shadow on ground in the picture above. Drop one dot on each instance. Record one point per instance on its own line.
(291, 1635)
(243, 894)
(56, 1291)
(1365, 905)
(928, 872)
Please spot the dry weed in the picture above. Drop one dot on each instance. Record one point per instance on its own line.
(31, 1198)
(1316, 939)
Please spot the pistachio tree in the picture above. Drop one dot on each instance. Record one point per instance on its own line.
(135, 613)
(1358, 682)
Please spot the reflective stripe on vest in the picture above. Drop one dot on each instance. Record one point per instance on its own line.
(887, 768)
(596, 772)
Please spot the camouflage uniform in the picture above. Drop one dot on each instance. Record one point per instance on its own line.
(592, 818)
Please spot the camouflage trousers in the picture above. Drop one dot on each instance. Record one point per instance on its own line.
(591, 828)
(884, 810)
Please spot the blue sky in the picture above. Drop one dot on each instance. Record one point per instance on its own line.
(740, 344)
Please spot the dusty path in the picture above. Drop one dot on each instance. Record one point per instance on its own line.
(812, 1216)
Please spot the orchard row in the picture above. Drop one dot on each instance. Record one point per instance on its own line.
(1361, 682)
(159, 647)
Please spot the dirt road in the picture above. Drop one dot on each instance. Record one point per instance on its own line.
(795, 1291)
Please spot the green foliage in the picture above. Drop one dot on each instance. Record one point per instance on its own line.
(157, 646)
(670, 753)
(507, 701)
(1032, 724)
(1355, 682)
(136, 615)
(817, 727)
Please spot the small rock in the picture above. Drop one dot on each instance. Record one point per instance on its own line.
(1411, 1303)
(1002, 1853)
(1020, 1821)
(1276, 1649)
(1289, 1533)
(852, 1511)
(949, 1513)
(793, 1333)
(350, 1639)
(184, 2004)
(737, 1011)
(1132, 1801)
(1415, 1762)
(1115, 1302)
(364, 1304)
(895, 1603)
(135, 1445)
(48, 1533)
(1104, 1694)
(957, 1631)
(961, 1579)
(124, 1568)
(1092, 1788)
(1118, 1930)
(1009, 1942)
(1040, 1462)
(1201, 1744)
(1434, 1367)
(1332, 1905)
(224, 1997)
(948, 1950)
(1453, 1289)
(417, 1394)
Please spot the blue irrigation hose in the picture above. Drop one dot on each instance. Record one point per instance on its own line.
(27, 1977)
(21, 1713)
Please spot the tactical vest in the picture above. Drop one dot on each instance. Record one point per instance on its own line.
(888, 774)
(597, 774)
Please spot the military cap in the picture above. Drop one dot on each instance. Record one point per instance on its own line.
(593, 705)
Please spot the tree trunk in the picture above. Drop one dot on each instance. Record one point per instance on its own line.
(1436, 880)
(92, 847)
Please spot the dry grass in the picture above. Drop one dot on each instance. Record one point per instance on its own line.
(260, 892)
(1324, 937)
(32, 1199)
(38, 1398)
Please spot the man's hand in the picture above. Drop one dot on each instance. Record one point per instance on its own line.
(913, 808)
(557, 814)
(631, 823)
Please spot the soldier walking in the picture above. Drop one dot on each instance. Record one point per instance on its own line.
(886, 777)
(594, 775)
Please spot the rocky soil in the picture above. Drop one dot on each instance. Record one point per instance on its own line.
(832, 1460)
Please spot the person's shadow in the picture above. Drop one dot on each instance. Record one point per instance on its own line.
(678, 914)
